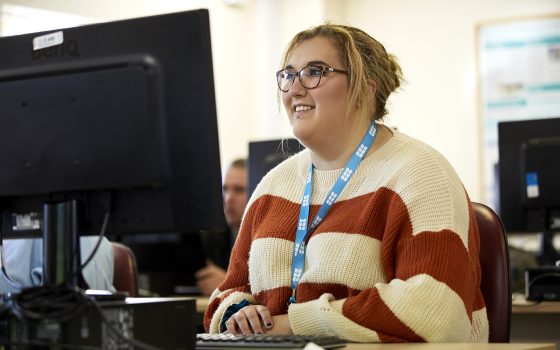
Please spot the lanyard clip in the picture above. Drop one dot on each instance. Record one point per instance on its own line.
(292, 298)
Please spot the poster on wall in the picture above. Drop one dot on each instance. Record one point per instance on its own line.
(519, 72)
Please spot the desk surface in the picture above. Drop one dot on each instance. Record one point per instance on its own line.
(451, 346)
(519, 306)
(201, 304)
(544, 307)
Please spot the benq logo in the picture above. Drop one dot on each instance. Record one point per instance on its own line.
(67, 48)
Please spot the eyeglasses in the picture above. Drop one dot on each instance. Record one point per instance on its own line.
(309, 77)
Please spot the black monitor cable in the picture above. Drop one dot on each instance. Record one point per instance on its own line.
(539, 277)
(72, 274)
(61, 303)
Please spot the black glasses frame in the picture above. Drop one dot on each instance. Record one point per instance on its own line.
(299, 74)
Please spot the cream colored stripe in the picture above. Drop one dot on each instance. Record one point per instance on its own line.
(284, 181)
(429, 187)
(343, 258)
(323, 316)
(428, 307)
(330, 258)
(270, 264)
(480, 332)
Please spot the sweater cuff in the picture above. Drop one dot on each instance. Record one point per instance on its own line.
(230, 311)
(310, 318)
(231, 299)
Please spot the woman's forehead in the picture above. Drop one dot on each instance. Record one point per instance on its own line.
(317, 49)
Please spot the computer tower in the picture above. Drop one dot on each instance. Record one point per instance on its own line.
(164, 323)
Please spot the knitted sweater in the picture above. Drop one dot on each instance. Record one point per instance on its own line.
(396, 259)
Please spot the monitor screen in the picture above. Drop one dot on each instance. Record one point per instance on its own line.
(529, 170)
(527, 167)
(119, 117)
(265, 155)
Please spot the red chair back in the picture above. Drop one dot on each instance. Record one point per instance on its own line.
(125, 275)
(494, 265)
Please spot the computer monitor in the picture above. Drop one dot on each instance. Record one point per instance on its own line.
(529, 173)
(114, 120)
(265, 155)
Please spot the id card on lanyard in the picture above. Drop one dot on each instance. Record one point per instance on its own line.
(303, 229)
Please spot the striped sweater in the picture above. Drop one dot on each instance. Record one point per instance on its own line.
(396, 259)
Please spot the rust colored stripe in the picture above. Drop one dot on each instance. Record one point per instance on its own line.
(382, 320)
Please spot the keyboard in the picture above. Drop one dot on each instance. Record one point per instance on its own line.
(259, 341)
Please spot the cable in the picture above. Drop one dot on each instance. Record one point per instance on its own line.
(72, 274)
(544, 275)
(59, 304)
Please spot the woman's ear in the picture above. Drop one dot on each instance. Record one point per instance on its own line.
(372, 89)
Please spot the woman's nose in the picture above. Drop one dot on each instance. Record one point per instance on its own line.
(297, 89)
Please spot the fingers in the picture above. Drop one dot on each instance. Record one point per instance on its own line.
(207, 285)
(249, 320)
(242, 322)
(202, 272)
(265, 316)
(253, 315)
(209, 278)
(210, 272)
(231, 326)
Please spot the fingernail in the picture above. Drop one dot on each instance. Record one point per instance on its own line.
(269, 325)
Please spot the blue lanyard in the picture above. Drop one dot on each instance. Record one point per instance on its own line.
(303, 231)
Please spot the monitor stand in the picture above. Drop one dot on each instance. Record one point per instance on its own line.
(549, 255)
(61, 244)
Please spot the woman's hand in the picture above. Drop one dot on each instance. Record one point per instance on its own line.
(209, 278)
(280, 325)
(256, 319)
(250, 320)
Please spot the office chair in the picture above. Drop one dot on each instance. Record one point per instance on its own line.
(125, 276)
(494, 266)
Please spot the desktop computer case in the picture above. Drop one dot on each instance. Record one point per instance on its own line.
(163, 323)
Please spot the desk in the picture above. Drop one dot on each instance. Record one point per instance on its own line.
(532, 322)
(449, 346)
(201, 304)
(522, 330)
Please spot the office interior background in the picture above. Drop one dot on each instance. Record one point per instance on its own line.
(434, 40)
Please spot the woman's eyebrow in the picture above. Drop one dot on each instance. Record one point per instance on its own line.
(315, 63)
(310, 63)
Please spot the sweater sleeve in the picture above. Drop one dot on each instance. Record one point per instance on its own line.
(235, 287)
(429, 254)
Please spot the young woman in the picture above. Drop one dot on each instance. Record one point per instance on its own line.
(368, 234)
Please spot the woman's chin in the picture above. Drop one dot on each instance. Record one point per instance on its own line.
(300, 133)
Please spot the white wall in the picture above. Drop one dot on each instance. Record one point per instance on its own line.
(435, 41)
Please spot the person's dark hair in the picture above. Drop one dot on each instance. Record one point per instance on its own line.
(239, 163)
(366, 60)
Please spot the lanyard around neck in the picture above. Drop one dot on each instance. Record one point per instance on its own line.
(303, 229)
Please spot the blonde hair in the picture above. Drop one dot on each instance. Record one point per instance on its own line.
(365, 59)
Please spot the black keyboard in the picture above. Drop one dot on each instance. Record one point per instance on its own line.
(255, 341)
